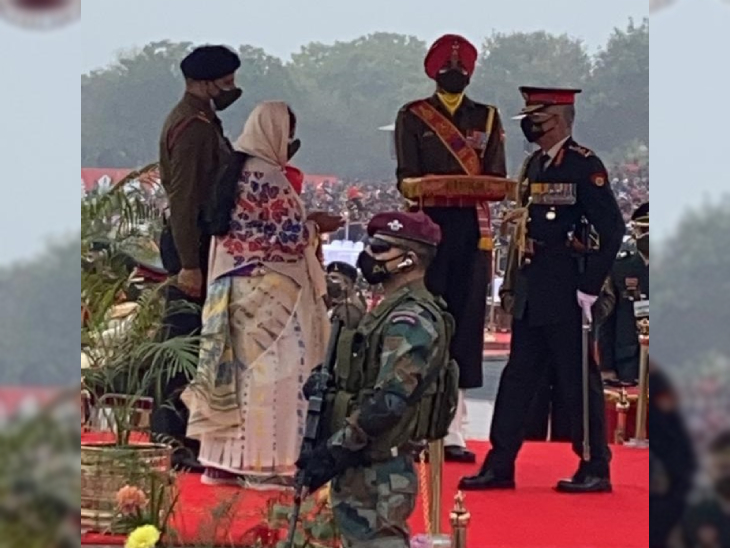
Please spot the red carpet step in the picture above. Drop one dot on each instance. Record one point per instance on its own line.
(533, 516)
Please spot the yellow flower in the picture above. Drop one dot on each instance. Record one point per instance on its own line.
(146, 536)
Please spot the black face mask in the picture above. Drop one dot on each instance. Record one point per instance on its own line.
(532, 131)
(292, 148)
(722, 487)
(374, 271)
(226, 97)
(452, 81)
(642, 244)
(335, 290)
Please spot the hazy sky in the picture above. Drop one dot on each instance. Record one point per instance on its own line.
(40, 72)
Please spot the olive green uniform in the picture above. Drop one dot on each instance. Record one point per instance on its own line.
(619, 337)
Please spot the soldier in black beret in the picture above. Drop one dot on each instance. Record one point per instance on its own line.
(343, 298)
(193, 153)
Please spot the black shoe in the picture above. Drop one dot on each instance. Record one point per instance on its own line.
(454, 453)
(184, 461)
(590, 478)
(586, 484)
(486, 480)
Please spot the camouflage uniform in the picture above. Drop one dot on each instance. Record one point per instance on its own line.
(372, 503)
(393, 384)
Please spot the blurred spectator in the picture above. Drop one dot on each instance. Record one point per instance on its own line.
(707, 523)
(671, 460)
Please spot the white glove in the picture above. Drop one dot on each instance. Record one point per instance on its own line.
(586, 302)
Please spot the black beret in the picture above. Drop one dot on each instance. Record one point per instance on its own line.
(210, 63)
(416, 226)
(343, 268)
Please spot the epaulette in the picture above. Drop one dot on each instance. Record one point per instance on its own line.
(407, 106)
(200, 115)
(583, 151)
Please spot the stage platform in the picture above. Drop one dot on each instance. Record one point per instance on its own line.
(532, 516)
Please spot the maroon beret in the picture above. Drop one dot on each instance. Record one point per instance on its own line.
(409, 226)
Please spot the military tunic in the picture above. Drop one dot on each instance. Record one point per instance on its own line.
(619, 338)
(372, 504)
(193, 150)
(546, 317)
(460, 272)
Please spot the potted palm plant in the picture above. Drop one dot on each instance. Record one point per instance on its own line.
(124, 354)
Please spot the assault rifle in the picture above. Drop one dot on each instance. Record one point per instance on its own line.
(313, 427)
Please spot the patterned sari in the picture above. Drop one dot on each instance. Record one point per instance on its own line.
(264, 330)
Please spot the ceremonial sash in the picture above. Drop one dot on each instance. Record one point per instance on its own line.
(468, 159)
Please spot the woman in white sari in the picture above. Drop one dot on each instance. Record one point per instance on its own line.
(264, 322)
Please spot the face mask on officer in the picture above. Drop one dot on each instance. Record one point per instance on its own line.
(452, 80)
(337, 288)
(376, 271)
(225, 96)
(535, 127)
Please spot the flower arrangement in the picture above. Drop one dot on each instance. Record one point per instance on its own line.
(316, 528)
(154, 507)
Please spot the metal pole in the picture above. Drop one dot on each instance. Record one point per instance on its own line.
(459, 518)
(640, 440)
(491, 328)
(586, 399)
(436, 460)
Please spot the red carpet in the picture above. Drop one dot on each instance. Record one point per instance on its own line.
(533, 516)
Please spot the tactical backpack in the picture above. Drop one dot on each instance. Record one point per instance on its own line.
(431, 407)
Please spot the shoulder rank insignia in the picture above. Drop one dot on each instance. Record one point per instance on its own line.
(583, 151)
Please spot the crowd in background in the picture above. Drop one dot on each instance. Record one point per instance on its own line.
(359, 200)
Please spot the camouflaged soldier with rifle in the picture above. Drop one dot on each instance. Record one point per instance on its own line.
(394, 387)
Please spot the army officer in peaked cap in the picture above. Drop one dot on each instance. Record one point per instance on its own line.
(557, 281)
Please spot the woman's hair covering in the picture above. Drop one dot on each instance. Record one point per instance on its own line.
(266, 133)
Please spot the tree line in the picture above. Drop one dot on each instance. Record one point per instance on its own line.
(343, 92)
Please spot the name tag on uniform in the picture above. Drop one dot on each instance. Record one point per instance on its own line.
(641, 309)
(553, 193)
